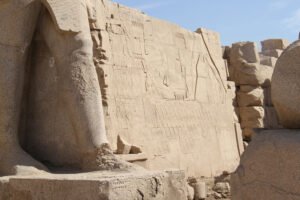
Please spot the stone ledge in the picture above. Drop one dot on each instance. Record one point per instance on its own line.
(167, 185)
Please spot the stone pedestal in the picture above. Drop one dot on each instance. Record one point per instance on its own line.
(167, 185)
(269, 168)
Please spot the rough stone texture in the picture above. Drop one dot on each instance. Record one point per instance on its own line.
(247, 51)
(267, 60)
(273, 53)
(254, 97)
(123, 147)
(166, 91)
(77, 92)
(247, 70)
(269, 167)
(286, 86)
(252, 75)
(169, 185)
(274, 44)
(252, 117)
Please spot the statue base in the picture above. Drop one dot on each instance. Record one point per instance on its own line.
(166, 185)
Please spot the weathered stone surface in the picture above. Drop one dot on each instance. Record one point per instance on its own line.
(135, 149)
(267, 60)
(65, 14)
(254, 97)
(247, 70)
(167, 91)
(164, 88)
(271, 44)
(247, 51)
(273, 53)
(269, 167)
(252, 117)
(286, 87)
(123, 147)
(117, 185)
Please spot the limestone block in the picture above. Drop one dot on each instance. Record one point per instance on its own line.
(254, 97)
(267, 60)
(247, 51)
(273, 53)
(271, 44)
(245, 64)
(252, 74)
(269, 168)
(118, 185)
(252, 117)
(286, 87)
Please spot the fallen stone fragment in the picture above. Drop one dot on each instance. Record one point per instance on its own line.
(135, 149)
(123, 147)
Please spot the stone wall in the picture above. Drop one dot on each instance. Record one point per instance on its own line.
(251, 71)
(165, 89)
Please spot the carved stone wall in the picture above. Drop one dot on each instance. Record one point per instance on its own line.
(165, 88)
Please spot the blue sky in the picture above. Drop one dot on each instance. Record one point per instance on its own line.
(235, 20)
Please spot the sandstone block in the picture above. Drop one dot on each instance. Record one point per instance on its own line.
(269, 167)
(247, 51)
(273, 53)
(245, 65)
(286, 87)
(252, 74)
(268, 60)
(271, 44)
(252, 117)
(117, 185)
(254, 97)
